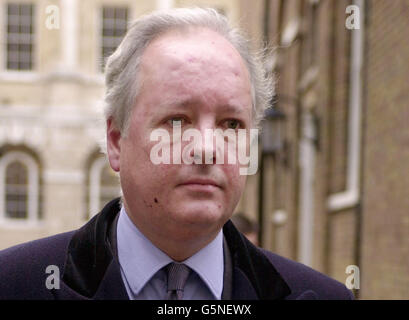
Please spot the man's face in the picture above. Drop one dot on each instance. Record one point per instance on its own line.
(199, 79)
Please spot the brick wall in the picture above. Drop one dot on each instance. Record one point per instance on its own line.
(385, 224)
(374, 234)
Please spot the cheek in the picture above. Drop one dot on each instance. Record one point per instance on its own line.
(138, 145)
(236, 182)
(137, 164)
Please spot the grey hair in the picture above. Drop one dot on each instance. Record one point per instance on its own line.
(121, 72)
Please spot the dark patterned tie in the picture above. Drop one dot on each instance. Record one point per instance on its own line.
(177, 276)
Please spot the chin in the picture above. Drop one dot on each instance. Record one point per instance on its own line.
(204, 215)
(201, 226)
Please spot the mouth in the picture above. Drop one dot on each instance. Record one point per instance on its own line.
(201, 184)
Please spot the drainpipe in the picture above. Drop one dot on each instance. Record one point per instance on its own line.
(307, 182)
(350, 197)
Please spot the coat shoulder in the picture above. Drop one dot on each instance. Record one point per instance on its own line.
(23, 267)
(307, 283)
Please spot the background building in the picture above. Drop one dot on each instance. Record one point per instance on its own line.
(335, 189)
(53, 176)
(331, 189)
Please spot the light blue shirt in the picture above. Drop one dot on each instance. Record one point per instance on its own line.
(142, 266)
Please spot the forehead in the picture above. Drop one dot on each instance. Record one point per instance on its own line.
(196, 60)
(193, 41)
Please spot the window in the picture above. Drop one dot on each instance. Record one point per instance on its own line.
(16, 190)
(19, 186)
(103, 185)
(114, 25)
(20, 36)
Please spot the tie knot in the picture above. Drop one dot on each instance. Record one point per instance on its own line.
(177, 276)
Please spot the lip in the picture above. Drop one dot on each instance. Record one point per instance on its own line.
(200, 182)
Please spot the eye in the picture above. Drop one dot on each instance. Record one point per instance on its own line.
(233, 124)
(176, 121)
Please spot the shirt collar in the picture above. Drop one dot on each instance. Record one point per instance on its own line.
(210, 270)
(134, 247)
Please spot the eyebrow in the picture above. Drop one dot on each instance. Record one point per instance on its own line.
(234, 108)
(186, 104)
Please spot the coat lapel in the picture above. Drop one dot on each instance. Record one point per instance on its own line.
(110, 288)
(91, 268)
(254, 277)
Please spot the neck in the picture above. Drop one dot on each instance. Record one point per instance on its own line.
(178, 251)
(177, 248)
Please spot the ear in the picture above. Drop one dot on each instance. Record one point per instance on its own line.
(113, 145)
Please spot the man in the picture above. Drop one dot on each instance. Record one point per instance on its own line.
(170, 237)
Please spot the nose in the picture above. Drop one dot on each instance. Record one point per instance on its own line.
(205, 149)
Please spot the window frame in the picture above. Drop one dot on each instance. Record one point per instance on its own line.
(33, 188)
(19, 75)
(100, 61)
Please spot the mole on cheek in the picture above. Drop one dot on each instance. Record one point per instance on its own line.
(156, 200)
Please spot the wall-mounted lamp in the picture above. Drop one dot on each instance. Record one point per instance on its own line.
(272, 135)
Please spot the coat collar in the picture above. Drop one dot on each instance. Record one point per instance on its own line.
(92, 270)
(252, 269)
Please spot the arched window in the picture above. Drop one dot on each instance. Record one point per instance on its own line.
(19, 187)
(16, 190)
(103, 185)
